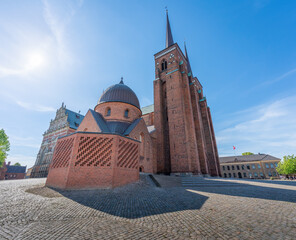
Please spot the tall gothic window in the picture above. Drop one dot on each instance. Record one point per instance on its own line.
(164, 65)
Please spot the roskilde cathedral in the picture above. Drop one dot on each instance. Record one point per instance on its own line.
(117, 140)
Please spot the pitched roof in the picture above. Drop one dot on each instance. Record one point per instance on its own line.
(147, 109)
(16, 169)
(100, 121)
(118, 127)
(74, 119)
(132, 126)
(247, 158)
(123, 128)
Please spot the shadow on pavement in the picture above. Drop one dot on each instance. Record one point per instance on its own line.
(136, 202)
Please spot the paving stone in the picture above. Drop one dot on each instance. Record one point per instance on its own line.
(236, 210)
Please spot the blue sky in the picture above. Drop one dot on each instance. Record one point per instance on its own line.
(243, 52)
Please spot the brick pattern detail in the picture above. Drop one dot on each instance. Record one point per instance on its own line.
(127, 154)
(63, 153)
(94, 151)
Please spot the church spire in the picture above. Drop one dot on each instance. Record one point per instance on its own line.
(169, 37)
(187, 58)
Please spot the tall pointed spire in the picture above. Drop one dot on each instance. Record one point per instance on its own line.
(169, 37)
(187, 58)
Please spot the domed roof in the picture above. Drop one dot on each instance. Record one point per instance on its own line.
(120, 93)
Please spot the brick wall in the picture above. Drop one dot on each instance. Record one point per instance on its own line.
(93, 160)
(146, 162)
(117, 111)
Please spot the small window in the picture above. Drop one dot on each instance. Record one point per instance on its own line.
(253, 166)
(245, 175)
(261, 174)
(77, 116)
(271, 165)
(228, 168)
(258, 165)
(234, 175)
(250, 175)
(266, 165)
(269, 174)
(232, 167)
(223, 168)
(255, 174)
(243, 167)
(225, 175)
(76, 125)
(248, 167)
(108, 112)
(237, 167)
(275, 164)
(126, 113)
(229, 174)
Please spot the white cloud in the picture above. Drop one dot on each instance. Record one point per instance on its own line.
(283, 76)
(22, 159)
(35, 107)
(58, 22)
(269, 128)
(24, 141)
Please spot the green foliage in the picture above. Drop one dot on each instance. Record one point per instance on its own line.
(4, 146)
(287, 165)
(247, 153)
(17, 164)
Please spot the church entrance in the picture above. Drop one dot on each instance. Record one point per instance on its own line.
(239, 175)
(141, 169)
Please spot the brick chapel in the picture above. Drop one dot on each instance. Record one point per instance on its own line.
(118, 139)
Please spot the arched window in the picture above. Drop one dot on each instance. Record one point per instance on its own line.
(126, 113)
(164, 65)
(108, 111)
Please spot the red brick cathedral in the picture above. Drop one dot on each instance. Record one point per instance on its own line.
(118, 139)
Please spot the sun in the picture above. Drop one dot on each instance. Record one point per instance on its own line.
(35, 60)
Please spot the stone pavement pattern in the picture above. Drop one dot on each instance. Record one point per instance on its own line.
(196, 209)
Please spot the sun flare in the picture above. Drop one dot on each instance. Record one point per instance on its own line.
(35, 60)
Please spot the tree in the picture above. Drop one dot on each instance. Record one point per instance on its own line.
(287, 166)
(17, 164)
(247, 153)
(4, 146)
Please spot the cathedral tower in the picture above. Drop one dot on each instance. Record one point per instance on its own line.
(185, 136)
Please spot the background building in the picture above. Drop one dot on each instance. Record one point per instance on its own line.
(28, 173)
(11, 172)
(65, 122)
(249, 166)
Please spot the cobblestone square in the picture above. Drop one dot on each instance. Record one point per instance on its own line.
(182, 208)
